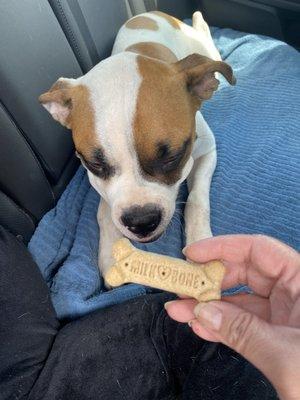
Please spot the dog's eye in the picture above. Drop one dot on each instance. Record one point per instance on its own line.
(162, 165)
(168, 160)
(95, 165)
(171, 163)
(98, 165)
(102, 170)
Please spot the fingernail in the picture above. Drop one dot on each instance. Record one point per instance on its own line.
(190, 323)
(184, 250)
(166, 305)
(209, 314)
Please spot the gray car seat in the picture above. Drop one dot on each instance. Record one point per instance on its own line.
(36, 155)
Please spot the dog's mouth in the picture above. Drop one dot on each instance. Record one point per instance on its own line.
(148, 239)
(142, 239)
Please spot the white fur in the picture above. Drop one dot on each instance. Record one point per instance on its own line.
(205, 140)
(197, 209)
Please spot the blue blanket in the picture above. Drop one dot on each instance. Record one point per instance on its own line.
(255, 188)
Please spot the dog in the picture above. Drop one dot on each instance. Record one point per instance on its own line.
(138, 131)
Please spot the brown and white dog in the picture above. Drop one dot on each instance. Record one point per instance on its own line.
(137, 129)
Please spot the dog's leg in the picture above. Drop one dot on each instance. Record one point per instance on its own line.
(108, 235)
(197, 210)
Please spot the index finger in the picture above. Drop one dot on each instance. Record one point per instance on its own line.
(254, 260)
(232, 248)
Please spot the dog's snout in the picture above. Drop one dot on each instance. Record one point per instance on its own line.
(142, 220)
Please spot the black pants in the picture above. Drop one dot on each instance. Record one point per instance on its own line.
(129, 351)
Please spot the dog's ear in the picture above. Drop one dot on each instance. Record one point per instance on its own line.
(199, 74)
(58, 101)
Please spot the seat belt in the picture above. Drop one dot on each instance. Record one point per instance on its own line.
(84, 30)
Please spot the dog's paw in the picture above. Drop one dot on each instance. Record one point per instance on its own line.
(107, 286)
(105, 261)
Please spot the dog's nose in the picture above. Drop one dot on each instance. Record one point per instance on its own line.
(142, 220)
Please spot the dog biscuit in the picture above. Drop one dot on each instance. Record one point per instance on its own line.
(201, 281)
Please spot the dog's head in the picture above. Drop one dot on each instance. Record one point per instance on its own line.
(133, 125)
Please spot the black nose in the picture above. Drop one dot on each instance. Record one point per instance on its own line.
(142, 220)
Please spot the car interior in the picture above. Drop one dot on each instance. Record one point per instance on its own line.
(43, 40)
(69, 325)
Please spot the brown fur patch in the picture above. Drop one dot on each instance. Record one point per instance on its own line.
(142, 23)
(165, 113)
(79, 116)
(153, 50)
(82, 121)
(174, 22)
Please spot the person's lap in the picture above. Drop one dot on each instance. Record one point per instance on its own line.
(128, 351)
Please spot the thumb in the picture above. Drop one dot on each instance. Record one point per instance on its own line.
(255, 339)
(273, 349)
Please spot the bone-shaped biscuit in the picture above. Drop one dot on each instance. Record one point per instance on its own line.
(201, 281)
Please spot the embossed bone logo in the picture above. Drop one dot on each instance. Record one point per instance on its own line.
(138, 266)
(164, 272)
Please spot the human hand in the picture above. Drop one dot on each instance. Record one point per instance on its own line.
(264, 327)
